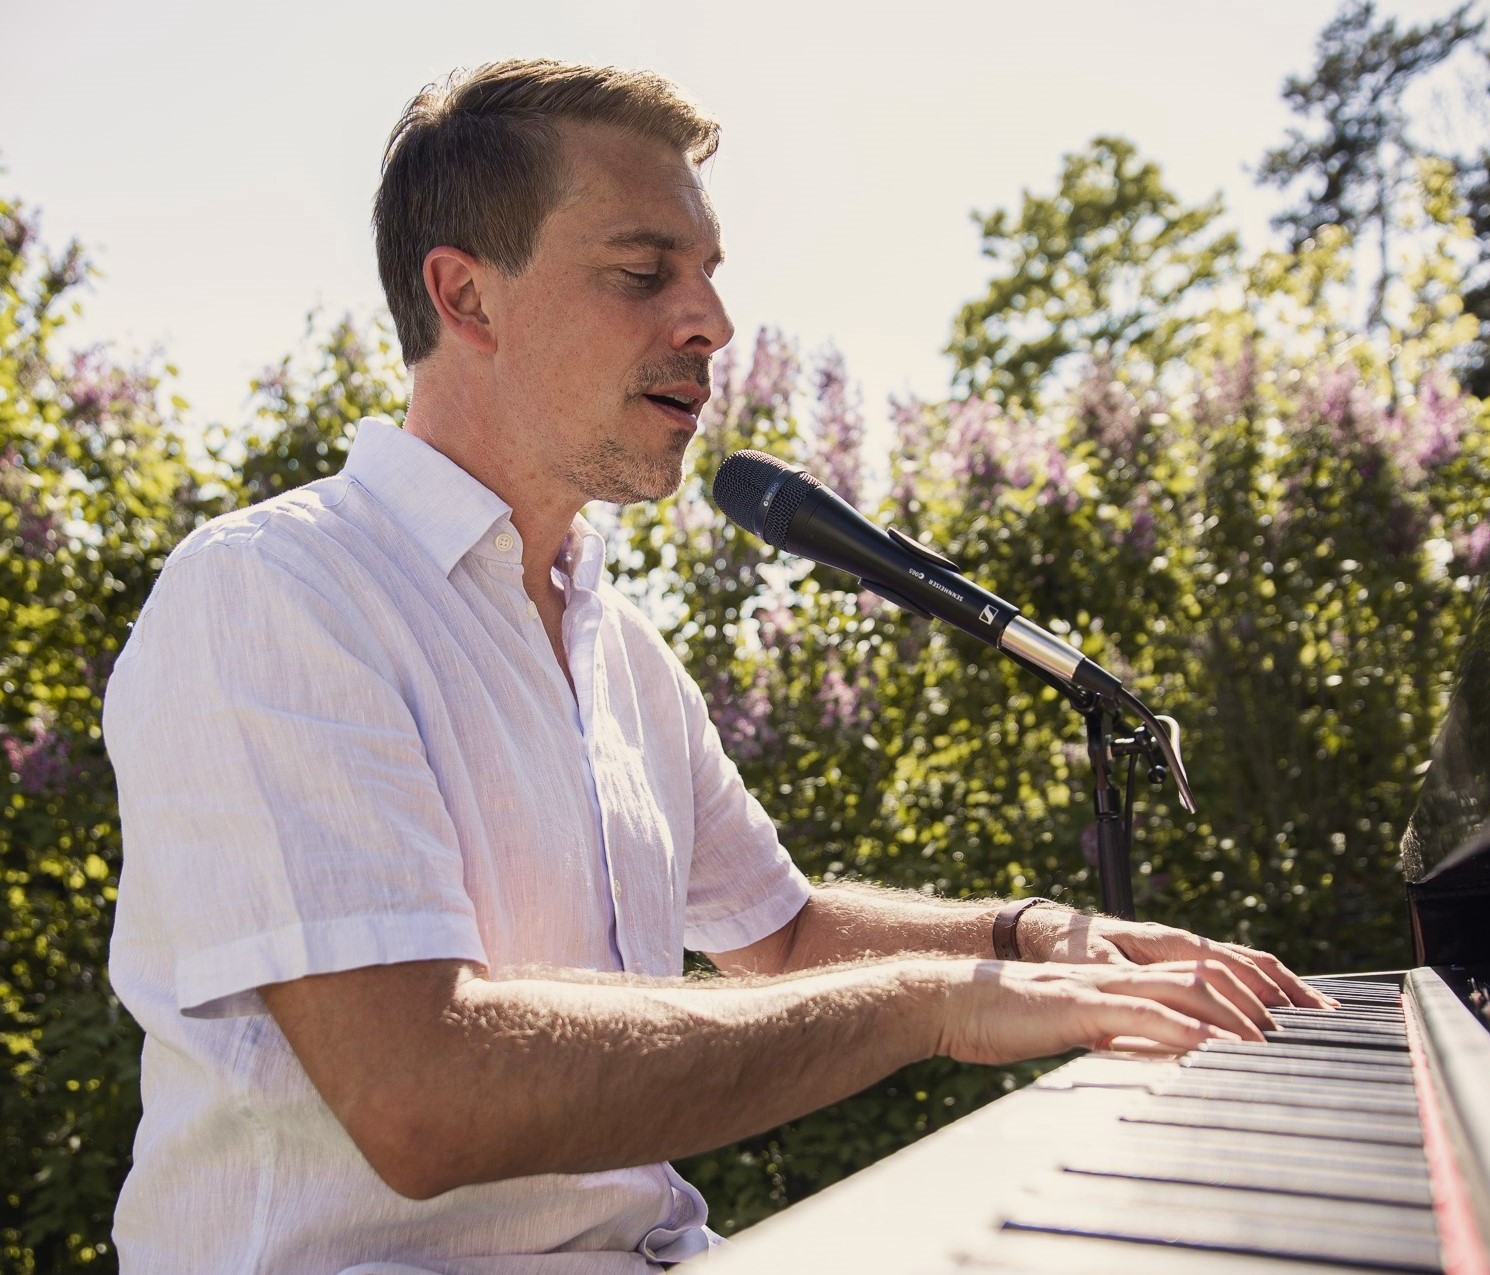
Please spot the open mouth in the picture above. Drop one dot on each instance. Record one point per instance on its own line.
(687, 404)
(683, 399)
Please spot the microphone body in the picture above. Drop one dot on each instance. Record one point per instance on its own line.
(793, 511)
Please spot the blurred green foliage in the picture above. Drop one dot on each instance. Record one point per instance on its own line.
(94, 491)
(1269, 526)
(1252, 537)
(1109, 265)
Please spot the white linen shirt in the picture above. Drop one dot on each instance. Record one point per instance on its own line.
(342, 739)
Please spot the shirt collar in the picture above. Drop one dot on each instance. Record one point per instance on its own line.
(445, 509)
(582, 558)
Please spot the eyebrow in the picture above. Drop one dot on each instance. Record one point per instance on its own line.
(656, 239)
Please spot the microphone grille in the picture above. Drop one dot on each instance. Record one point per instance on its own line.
(744, 482)
(788, 500)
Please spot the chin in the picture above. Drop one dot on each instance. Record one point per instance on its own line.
(622, 478)
(636, 488)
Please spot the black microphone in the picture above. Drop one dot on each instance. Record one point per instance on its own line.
(792, 510)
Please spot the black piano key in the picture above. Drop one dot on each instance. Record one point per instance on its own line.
(1357, 1013)
(1318, 1095)
(1387, 1058)
(1282, 1064)
(1357, 989)
(1229, 1146)
(1264, 1064)
(1337, 1039)
(1339, 1023)
(1372, 1021)
(1260, 1174)
(1284, 1121)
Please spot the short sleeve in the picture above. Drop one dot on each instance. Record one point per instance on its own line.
(742, 884)
(279, 813)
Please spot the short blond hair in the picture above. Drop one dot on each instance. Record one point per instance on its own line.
(475, 163)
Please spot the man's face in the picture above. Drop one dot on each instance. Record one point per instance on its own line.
(603, 352)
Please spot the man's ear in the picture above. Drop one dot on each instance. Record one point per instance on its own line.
(454, 281)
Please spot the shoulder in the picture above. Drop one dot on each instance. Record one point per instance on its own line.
(280, 527)
(293, 562)
(636, 627)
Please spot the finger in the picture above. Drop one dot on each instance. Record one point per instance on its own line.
(1292, 986)
(1224, 980)
(1239, 960)
(1118, 1017)
(1140, 1045)
(1190, 991)
(1158, 944)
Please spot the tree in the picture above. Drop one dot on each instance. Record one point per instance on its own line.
(1474, 185)
(1360, 152)
(1271, 549)
(94, 492)
(1112, 266)
(305, 417)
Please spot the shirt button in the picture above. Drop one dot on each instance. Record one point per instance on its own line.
(615, 890)
(533, 610)
(504, 541)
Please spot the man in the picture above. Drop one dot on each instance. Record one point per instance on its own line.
(420, 814)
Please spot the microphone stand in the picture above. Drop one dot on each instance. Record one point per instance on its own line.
(1155, 739)
(1114, 853)
(1105, 743)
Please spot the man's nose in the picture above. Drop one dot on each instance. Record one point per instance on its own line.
(704, 324)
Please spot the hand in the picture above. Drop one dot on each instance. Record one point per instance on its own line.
(1058, 934)
(1004, 1011)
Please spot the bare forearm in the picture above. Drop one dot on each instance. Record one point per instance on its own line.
(855, 921)
(850, 922)
(555, 1076)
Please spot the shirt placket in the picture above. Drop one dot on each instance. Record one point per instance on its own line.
(586, 664)
(579, 628)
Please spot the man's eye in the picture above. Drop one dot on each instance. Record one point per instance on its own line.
(642, 279)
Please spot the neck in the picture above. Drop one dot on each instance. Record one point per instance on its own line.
(455, 416)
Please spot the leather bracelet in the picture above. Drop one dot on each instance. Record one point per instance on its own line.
(1006, 928)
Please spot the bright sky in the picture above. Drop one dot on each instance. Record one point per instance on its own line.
(219, 160)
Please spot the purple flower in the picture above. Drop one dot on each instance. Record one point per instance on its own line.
(1342, 404)
(778, 627)
(841, 701)
(910, 421)
(1232, 391)
(36, 530)
(1434, 435)
(988, 453)
(1140, 535)
(96, 388)
(839, 429)
(773, 373)
(40, 766)
(1108, 413)
(1473, 550)
(743, 720)
(838, 700)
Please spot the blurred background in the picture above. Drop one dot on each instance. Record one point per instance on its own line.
(1169, 323)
